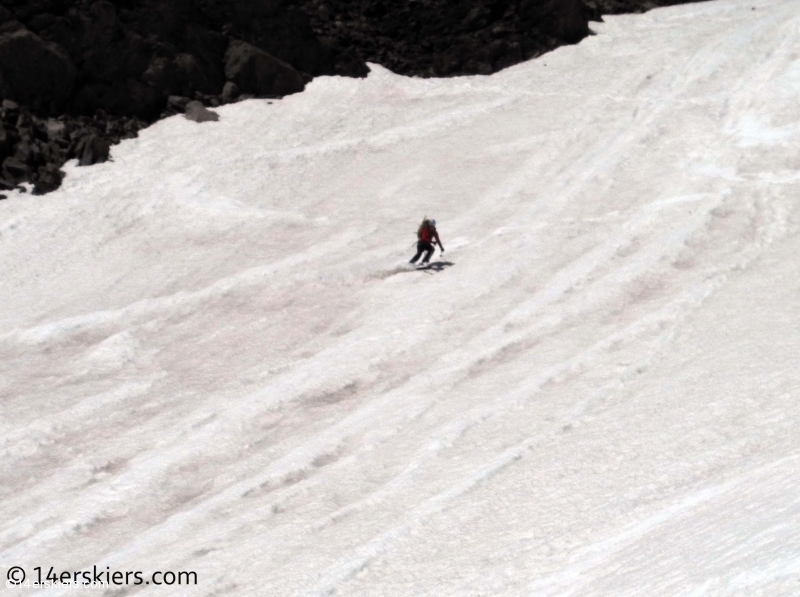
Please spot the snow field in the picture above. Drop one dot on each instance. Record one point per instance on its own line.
(212, 357)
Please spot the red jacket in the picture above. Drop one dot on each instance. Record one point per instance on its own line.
(428, 234)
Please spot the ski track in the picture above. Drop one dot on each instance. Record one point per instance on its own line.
(334, 445)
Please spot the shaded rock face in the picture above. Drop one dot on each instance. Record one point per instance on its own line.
(80, 75)
(255, 71)
(91, 149)
(454, 37)
(33, 71)
(445, 37)
(129, 56)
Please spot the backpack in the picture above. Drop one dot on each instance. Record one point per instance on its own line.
(424, 231)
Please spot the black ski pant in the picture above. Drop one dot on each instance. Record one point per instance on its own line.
(423, 247)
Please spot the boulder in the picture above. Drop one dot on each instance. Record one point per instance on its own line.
(91, 149)
(177, 103)
(34, 72)
(28, 153)
(190, 74)
(99, 24)
(10, 112)
(161, 75)
(255, 71)
(6, 143)
(54, 129)
(565, 19)
(208, 48)
(230, 91)
(11, 26)
(284, 32)
(15, 170)
(47, 179)
(197, 112)
(182, 75)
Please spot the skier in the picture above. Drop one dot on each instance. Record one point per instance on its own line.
(426, 235)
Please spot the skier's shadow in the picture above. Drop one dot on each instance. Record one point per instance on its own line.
(436, 266)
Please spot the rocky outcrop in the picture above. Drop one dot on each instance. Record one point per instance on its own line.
(32, 148)
(91, 149)
(131, 56)
(257, 72)
(197, 112)
(445, 37)
(33, 71)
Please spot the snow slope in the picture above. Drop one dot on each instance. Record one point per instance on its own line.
(212, 358)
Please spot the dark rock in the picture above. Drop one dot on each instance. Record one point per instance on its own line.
(181, 75)
(177, 103)
(55, 129)
(11, 26)
(34, 72)
(3, 197)
(91, 149)
(6, 143)
(48, 179)
(287, 35)
(565, 18)
(10, 111)
(15, 170)
(39, 130)
(208, 47)
(190, 74)
(24, 124)
(53, 153)
(444, 37)
(28, 153)
(129, 97)
(41, 22)
(255, 71)
(197, 112)
(230, 92)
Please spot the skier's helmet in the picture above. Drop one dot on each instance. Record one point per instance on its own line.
(432, 223)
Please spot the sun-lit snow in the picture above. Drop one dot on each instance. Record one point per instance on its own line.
(213, 357)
